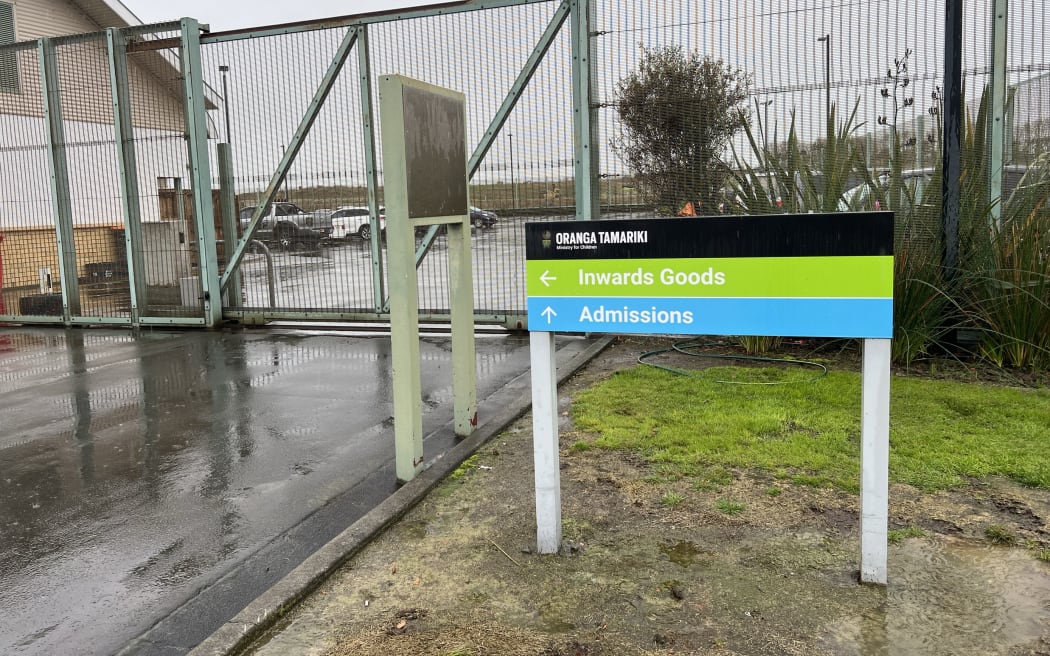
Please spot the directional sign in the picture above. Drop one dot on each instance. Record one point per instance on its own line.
(814, 275)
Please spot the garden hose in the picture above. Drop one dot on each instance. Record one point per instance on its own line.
(690, 347)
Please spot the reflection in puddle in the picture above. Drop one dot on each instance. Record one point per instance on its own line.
(946, 596)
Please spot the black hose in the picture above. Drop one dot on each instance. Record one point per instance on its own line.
(690, 347)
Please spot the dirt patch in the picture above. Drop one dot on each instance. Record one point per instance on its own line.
(750, 565)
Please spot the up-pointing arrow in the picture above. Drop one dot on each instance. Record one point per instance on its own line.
(545, 278)
(549, 314)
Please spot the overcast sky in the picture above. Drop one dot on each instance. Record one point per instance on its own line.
(233, 14)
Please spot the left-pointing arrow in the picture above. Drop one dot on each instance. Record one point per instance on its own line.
(546, 277)
(549, 314)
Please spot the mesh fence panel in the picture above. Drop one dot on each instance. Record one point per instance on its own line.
(798, 60)
(528, 171)
(28, 251)
(94, 178)
(1028, 121)
(168, 250)
(269, 82)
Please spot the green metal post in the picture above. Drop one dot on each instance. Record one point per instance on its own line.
(920, 140)
(997, 116)
(180, 205)
(200, 169)
(59, 165)
(1008, 129)
(227, 197)
(461, 303)
(585, 155)
(128, 165)
(404, 288)
(371, 170)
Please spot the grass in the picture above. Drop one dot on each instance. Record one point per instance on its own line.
(672, 499)
(999, 534)
(467, 466)
(729, 507)
(942, 433)
(896, 536)
(1043, 555)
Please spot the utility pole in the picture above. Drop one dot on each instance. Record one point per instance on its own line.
(224, 69)
(827, 83)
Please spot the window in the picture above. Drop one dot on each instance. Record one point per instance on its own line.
(8, 58)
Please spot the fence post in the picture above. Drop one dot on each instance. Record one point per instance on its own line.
(364, 64)
(59, 165)
(228, 199)
(200, 170)
(117, 50)
(585, 146)
(952, 136)
(3, 309)
(997, 115)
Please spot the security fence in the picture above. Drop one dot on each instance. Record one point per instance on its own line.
(160, 174)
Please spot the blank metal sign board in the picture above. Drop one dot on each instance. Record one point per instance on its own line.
(435, 156)
(811, 275)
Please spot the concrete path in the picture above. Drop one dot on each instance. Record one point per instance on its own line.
(154, 484)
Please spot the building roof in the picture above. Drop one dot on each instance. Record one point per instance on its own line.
(107, 13)
(113, 13)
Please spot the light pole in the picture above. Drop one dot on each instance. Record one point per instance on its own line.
(827, 81)
(224, 69)
(765, 128)
(513, 177)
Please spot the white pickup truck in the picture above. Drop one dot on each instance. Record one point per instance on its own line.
(288, 226)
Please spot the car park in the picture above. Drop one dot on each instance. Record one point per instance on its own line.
(347, 222)
(288, 226)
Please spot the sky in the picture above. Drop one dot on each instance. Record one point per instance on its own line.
(234, 14)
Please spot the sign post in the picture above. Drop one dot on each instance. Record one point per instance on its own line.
(812, 275)
(425, 173)
(545, 442)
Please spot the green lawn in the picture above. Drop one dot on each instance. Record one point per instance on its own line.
(808, 431)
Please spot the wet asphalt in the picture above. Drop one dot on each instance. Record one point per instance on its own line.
(153, 483)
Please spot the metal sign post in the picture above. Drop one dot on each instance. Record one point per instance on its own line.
(425, 183)
(813, 275)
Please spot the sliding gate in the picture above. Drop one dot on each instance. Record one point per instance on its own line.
(166, 174)
(197, 176)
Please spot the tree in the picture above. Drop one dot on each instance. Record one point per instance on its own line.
(679, 112)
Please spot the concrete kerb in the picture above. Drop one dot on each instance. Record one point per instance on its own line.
(259, 616)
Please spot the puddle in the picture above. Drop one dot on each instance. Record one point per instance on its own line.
(682, 553)
(946, 596)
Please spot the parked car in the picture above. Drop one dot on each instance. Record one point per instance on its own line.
(353, 221)
(916, 183)
(288, 226)
(480, 218)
